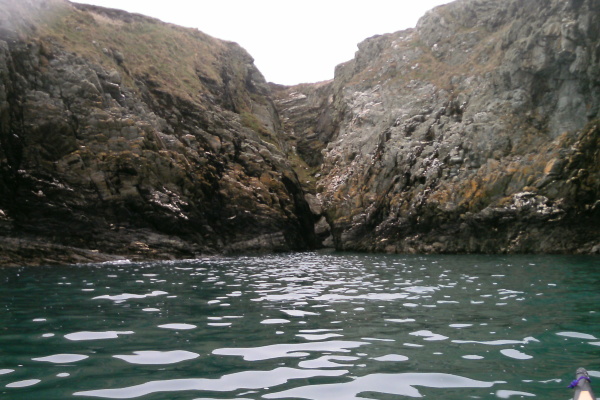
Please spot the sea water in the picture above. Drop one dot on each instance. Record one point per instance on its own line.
(317, 326)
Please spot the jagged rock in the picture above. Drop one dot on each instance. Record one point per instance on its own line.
(465, 134)
(477, 131)
(106, 145)
(306, 115)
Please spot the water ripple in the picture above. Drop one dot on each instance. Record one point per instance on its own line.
(398, 384)
(178, 326)
(392, 358)
(227, 383)
(275, 321)
(61, 358)
(310, 326)
(298, 313)
(24, 383)
(119, 298)
(288, 350)
(428, 335)
(516, 354)
(577, 335)
(87, 335)
(506, 394)
(497, 342)
(151, 357)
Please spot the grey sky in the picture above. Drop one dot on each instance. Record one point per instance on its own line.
(291, 41)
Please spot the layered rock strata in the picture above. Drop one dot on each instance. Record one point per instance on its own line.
(477, 131)
(123, 135)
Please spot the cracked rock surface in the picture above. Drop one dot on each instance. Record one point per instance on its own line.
(124, 136)
(477, 131)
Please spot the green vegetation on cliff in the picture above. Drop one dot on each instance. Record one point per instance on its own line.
(126, 136)
(123, 136)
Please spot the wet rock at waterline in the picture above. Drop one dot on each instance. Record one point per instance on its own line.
(117, 145)
(477, 131)
(122, 136)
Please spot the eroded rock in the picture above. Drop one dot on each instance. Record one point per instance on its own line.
(465, 134)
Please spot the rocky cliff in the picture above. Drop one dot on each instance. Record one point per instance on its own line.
(477, 131)
(124, 136)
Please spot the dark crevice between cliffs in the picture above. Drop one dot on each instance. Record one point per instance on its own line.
(475, 132)
(125, 137)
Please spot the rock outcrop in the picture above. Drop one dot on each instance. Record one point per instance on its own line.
(123, 135)
(477, 131)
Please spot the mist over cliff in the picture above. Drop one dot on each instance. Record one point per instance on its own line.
(123, 136)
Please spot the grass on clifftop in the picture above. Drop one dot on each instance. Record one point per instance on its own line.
(170, 56)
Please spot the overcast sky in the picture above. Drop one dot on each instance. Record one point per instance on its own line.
(291, 41)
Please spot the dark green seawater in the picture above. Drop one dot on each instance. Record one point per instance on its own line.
(317, 326)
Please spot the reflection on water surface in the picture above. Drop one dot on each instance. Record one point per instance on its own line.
(316, 326)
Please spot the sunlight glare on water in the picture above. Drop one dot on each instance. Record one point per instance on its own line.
(316, 326)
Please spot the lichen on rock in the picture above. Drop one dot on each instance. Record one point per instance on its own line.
(461, 135)
(125, 135)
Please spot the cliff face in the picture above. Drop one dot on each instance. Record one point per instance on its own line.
(123, 135)
(477, 131)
